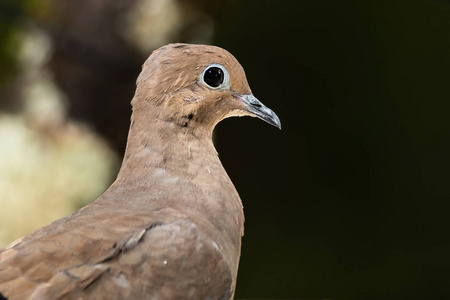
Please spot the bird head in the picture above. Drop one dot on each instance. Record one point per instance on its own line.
(197, 86)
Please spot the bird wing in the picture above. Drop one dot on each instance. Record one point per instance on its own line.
(117, 256)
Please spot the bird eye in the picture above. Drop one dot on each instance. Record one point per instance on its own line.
(215, 76)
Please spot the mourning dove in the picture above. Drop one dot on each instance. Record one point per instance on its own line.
(170, 226)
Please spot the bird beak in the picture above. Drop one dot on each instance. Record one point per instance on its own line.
(255, 108)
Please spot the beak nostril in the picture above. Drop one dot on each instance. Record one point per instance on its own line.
(255, 102)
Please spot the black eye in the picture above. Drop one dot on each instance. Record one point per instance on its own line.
(213, 77)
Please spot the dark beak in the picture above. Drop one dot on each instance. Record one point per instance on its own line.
(256, 108)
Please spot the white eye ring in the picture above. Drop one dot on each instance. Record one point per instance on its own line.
(226, 77)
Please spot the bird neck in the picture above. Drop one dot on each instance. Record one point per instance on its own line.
(166, 148)
(185, 166)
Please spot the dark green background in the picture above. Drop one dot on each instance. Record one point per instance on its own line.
(351, 198)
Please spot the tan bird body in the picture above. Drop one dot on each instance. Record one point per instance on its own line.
(170, 226)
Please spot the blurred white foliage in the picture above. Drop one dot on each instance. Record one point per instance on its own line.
(35, 50)
(49, 165)
(152, 23)
(44, 178)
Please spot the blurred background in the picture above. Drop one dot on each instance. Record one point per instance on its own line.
(349, 200)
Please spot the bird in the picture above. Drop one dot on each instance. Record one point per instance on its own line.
(170, 226)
